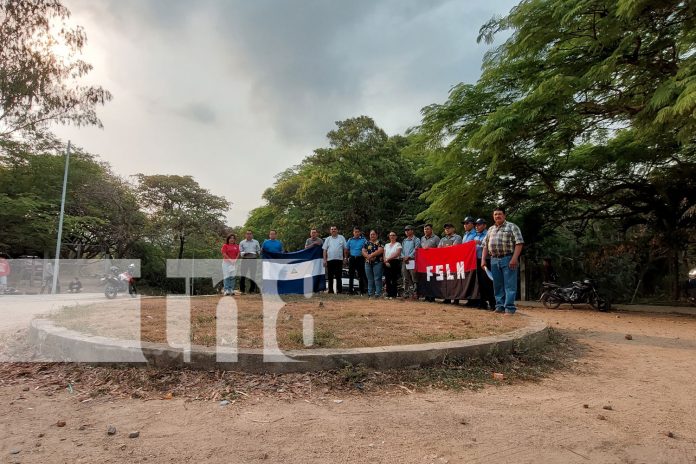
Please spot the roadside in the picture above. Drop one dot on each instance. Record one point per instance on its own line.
(637, 392)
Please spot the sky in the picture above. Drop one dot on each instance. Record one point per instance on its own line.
(233, 92)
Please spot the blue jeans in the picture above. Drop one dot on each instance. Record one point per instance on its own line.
(374, 278)
(504, 284)
(228, 272)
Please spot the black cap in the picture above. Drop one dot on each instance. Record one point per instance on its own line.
(448, 225)
(468, 219)
(480, 221)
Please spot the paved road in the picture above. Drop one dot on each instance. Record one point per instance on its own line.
(17, 311)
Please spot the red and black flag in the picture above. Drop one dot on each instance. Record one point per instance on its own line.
(448, 272)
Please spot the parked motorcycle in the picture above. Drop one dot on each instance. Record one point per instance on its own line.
(691, 287)
(579, 292)
(117, 281)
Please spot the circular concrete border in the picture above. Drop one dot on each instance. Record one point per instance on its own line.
(59, 344)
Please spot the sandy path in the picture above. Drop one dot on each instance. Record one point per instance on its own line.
(648, 382)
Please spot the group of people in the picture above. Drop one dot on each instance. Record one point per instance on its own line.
(498, 249)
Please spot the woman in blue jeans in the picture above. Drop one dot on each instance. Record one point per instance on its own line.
(373, 252)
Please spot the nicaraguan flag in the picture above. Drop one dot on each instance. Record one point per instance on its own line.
(299, 272)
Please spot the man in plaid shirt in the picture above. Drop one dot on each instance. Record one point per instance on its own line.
(503, 244)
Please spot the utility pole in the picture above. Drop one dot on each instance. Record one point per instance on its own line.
(56, 264)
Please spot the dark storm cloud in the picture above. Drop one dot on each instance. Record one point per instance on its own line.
(312, 62)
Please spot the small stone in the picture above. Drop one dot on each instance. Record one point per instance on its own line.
(608, 408)
(628, 337)
(38, 444)
(41, 435)
(264, 456)
(82, 427)
(463, 421)
(14, 451)
(111, 430)
(224, 403)
(25, 389)
(321, 304)
(670, 434)
(338, 401)
(122, 447)
(601, 417)
(586, 406)
(498, 376)
(60, 423)
(49, 393)
(134, 434)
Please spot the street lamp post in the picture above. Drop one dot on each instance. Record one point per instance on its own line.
(56, 264)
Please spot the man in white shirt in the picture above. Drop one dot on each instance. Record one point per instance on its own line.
(334, 250)
(249, 250)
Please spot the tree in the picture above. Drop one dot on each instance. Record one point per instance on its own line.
(40, 71)
(102, 213)
(361, 179)
(180, 208)
(585, 113)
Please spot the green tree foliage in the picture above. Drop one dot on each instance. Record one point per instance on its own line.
(361, 179)
(40, 70)
(585, 113)
(180, 211)
(102, 213)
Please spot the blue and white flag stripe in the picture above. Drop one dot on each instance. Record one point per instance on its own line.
(300, 272)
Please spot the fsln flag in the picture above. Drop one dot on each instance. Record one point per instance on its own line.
(300, 272)
(448, 272)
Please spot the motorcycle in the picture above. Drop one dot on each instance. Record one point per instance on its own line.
(691, 287)
(117, 281)
(579, 292)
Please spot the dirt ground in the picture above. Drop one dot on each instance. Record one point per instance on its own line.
(646, 385)
(339, 322)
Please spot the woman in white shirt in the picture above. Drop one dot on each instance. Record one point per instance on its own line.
(392, 264)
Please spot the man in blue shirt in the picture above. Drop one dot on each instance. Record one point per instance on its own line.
(356, 261)
(272, 244)
(487, 300)
(469, 230)
(408, 265)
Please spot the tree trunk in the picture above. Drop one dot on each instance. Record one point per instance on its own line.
(182, 240)
(676, 293)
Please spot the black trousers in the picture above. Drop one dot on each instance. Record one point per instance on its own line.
(357, 264)
(247, 271)
(392, 273)
(335, 269)
(485, 285)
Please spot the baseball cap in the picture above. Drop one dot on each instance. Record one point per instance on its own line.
(468, 219)
(480, 221)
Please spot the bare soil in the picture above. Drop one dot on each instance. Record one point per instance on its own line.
(623, 401)
(339, 321)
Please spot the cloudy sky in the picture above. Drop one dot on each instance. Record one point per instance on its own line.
(234, 92)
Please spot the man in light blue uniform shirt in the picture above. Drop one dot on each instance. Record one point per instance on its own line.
(356, 261)
(469, 230)
(408, 269)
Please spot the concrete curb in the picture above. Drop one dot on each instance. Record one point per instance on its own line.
(63, 345)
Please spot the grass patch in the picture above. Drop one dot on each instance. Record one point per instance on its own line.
(340, 321)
